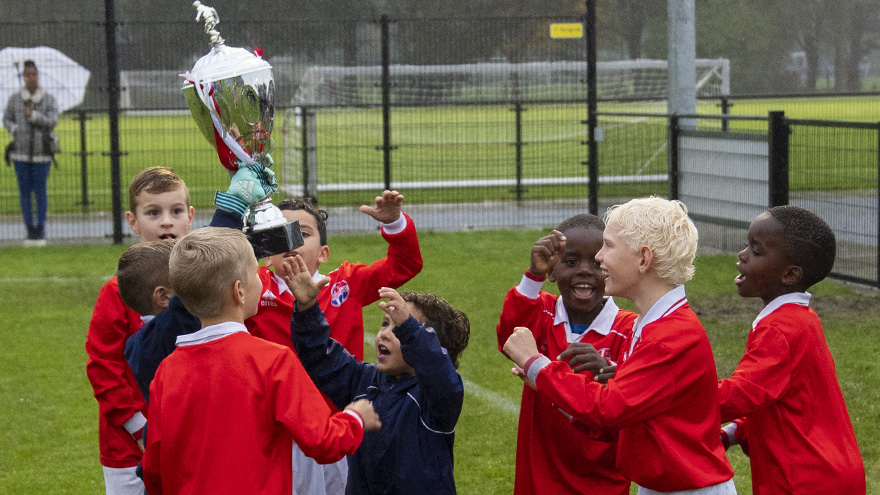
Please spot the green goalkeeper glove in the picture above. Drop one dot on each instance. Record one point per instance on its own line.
(248, 186)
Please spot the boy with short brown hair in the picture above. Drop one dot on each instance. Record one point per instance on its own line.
(225, 407)
(791, 416)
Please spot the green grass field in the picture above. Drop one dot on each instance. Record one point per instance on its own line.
(48, 416)
(438, 144)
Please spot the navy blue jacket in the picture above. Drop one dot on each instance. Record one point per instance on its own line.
(412, 452)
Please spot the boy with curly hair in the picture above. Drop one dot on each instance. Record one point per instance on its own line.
(414, 386)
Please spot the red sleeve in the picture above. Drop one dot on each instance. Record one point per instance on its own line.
(762, 376)
(639, 390)
(151, 463)
(521, 311)
(114, 386)
(402, 263)
(321, 435)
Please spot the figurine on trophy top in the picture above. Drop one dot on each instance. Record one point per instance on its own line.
(230, 93)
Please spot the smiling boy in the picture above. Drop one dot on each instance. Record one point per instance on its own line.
(552, 455)
(789, 410)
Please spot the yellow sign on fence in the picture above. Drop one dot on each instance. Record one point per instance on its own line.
(566, 30)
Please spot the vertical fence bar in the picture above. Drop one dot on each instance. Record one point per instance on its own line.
(593, 152)
(877, 238)
(386, 101)
(779, 130)
(518, 145)
(672, 156)
(83, 160)
(725, 110)
(113, 114)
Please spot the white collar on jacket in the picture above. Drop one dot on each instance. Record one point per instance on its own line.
(800, 298)
(35, 97)
(601, 324)
(210, 333)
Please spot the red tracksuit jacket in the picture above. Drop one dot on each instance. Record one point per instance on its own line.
(352, 286)
(800, 437)
(115, 388)
(553, 457)
(661, 400)
(224, 409)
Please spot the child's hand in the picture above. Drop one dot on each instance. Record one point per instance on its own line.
(365, 409)
(546, 253)
(297, 276)
(520, 346)
(387, 208)
(582, 356)
(396, 307)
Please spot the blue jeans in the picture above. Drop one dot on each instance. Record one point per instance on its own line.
(32, 179)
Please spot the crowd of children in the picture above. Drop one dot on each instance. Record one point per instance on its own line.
(215, 374)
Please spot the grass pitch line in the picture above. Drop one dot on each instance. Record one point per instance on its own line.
(493, 398)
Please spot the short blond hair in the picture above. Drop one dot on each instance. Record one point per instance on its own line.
(154, 180)
(142, 268)
(204, 264)
(665, 228)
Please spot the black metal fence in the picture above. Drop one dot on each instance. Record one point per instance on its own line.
(505, 151)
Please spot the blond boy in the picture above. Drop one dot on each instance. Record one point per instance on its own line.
(661, 400)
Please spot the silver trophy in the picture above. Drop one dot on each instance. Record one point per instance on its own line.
(230, 94)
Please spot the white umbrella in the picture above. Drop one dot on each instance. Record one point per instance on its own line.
(60, 76)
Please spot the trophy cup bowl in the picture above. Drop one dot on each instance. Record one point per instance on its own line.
(230, 93)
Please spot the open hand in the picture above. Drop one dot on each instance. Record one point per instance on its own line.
(546, 253)
(387, 208)
(299, 280)
(395, 307)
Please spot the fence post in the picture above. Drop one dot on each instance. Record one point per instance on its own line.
(518, 145)
(878, 203)
(672, 156)
(83, 160)
(779, 130)
(386, 101)
(592, 150)
(113, 113)
(309, 153)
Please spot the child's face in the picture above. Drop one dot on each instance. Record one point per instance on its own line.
(620, 264)
(312, 252)
(389, 359)
(161, 216)
(580, 280)
(762, 262)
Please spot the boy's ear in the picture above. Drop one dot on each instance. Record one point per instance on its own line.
(161, 296)
(792, 275)
(646, 259)
(325, 254)
(132, 222)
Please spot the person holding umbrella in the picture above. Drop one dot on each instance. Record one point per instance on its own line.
(30, 117)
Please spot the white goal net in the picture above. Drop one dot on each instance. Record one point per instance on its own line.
(494, 82)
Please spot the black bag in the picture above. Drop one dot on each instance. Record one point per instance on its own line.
(8, 152)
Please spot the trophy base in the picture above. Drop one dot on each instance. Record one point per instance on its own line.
(275, 240)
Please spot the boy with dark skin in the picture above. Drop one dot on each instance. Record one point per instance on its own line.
(585, 329)
(789, 412)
